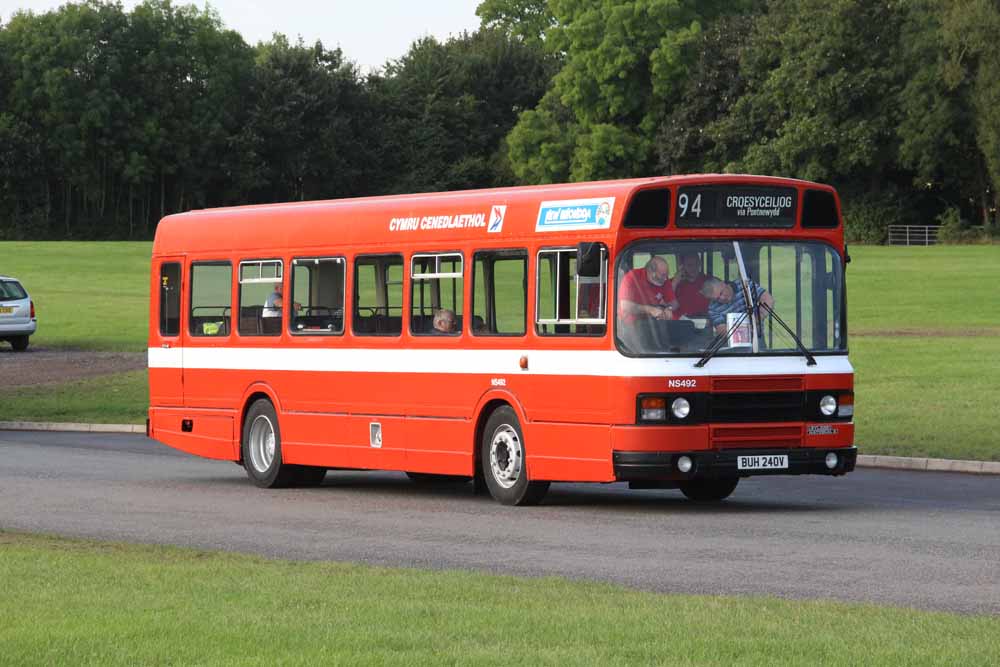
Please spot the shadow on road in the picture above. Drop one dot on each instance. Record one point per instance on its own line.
(608, 497)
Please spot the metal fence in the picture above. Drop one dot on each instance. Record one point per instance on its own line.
(913, 234)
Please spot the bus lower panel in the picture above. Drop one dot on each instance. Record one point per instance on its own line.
(633, 466)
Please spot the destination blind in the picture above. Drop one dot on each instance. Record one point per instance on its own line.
(736, 206)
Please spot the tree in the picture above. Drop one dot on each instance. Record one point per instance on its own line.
(620, 61)
(528, 20)
(300, 138)
(448, 106)
(709, 93)
(970, 29)
(823, 80)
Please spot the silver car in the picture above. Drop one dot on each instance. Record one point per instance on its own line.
(17, 314)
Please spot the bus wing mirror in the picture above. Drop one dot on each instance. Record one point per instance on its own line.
(588, 259)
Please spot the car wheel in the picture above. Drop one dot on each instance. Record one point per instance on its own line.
(261, 448)
(19, 343)
(503, 461)
(709, 490)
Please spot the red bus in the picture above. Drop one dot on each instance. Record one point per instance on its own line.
(674, 332)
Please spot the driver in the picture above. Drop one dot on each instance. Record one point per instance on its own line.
(646, 293)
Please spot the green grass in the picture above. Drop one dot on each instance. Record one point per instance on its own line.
(82, 603)
(953, 288)
(121, 398)
(87, 295)
(924, 336)
(927, 397)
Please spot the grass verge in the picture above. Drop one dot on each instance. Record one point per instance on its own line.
(80, 603)
(88, 295)
(121, 398)
(927, 397)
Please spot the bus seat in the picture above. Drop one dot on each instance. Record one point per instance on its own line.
(250, 319)
(270, 325)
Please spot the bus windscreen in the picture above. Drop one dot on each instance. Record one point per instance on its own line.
(719, 293)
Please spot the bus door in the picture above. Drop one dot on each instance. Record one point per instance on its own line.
(166, 346)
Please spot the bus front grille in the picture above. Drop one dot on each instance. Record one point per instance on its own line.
(758, 407)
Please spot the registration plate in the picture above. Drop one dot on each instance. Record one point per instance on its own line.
(766, 462)
(6, 310)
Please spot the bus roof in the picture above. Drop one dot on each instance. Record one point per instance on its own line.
(437, 218)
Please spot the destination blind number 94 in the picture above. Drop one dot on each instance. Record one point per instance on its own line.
(683, 201)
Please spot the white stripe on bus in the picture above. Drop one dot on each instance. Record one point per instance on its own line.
(598, 363)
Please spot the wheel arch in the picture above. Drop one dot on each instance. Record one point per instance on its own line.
(488, 404)
(253, 392)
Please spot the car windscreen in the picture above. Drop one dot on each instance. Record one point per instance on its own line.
(691, 297)
(11, 289)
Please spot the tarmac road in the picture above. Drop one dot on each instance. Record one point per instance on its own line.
(926, 540)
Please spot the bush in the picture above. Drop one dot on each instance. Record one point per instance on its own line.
(954, 230)
(867, 218)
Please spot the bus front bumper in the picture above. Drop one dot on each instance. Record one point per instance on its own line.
(709, 464)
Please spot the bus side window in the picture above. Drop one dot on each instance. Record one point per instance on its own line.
(261, 300)
(568, 304)
(436, 286)
(170, 299)
(211, 298)
(378, 295)
(318, 289)
(499, 293)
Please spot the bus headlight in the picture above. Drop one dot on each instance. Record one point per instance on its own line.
(828, 405)
(680, 407)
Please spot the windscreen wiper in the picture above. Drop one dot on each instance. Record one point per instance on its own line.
(798, 341)
(720, 340)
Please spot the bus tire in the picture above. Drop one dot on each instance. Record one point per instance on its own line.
(19, 343)
(261, 448)
(709, 490)
(503, 461)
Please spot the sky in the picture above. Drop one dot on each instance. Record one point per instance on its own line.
(369, 31)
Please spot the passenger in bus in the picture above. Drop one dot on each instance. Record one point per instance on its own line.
(725, 298)
(445, 322)
(274, 301)
(647, 293)
(687, 283)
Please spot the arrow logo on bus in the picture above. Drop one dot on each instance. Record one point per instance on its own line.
(496, 218)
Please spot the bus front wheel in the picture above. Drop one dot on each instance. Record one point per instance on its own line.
(709, 490)
(262, 448)
(502, 457)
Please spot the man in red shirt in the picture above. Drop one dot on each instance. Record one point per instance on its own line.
(687, 285)
(647, 293)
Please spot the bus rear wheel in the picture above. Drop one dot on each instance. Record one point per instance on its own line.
(261, 448)
(502, 456)
(709, 490)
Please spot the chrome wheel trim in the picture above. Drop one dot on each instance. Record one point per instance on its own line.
(261, 441)
(506, 456)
